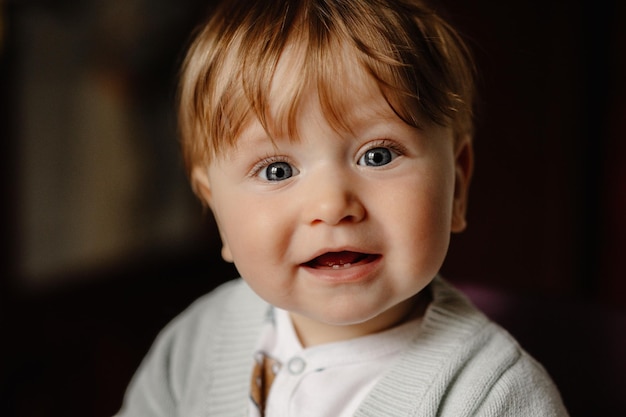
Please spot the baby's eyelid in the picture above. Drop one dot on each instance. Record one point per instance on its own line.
(392, 147)
(385, 143)
(259, 170)
(264, 163)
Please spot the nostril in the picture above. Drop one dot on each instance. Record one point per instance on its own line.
(348, 213)
(332, 200)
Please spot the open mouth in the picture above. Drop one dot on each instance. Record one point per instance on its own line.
(340, 260)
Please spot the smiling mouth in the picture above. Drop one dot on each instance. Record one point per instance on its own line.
(341, 260)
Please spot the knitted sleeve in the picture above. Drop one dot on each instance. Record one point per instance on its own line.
(166, 372)
(523, 390)
(499, 378)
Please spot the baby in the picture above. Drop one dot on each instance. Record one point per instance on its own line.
(332, 141)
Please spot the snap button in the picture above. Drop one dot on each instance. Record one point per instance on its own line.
(296, 365)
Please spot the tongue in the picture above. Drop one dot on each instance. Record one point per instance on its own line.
(338, 258)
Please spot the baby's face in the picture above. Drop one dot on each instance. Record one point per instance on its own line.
(341, 228)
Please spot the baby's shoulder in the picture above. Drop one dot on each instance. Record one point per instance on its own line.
(229, 301)
(486, 369)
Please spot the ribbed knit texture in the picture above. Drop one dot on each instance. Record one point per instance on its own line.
(460, 364)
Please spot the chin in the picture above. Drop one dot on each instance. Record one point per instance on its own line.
(350, 315)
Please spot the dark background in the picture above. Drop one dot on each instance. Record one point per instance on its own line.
(544, 253)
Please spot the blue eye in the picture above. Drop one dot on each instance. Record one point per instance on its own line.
(277, 171)
(377, 157)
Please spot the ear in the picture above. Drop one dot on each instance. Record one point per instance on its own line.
(464, 167)
(201, 185)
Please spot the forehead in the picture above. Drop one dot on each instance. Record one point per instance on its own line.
(339, 87)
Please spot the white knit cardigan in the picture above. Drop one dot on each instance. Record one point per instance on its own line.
(460, 364)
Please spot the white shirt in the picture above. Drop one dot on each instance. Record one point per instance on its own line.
(330, 379)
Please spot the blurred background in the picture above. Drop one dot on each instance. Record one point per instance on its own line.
(103, 242)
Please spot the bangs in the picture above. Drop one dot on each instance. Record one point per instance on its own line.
(421, 66)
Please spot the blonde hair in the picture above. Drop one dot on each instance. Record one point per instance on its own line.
(421, 64)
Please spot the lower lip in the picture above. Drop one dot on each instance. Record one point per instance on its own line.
(359, 272)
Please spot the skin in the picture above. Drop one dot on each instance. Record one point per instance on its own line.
(348, 240)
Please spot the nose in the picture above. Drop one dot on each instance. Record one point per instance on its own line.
(332, 198)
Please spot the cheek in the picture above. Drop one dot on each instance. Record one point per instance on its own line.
(421, 217)
(256, 233)
(425, 229)
(259, 245)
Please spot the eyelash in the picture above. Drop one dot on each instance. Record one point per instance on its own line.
(265, 162)
(385, 143)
